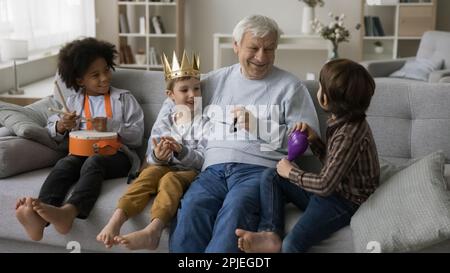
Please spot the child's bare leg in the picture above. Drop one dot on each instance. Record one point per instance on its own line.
(61, 218)
(258, 242)
(147, 238)
(33, 223)
(112, 229)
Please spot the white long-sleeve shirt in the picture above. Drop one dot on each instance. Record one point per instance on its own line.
(191, 136)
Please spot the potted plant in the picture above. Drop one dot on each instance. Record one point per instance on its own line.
(378, 47)
(335, 32)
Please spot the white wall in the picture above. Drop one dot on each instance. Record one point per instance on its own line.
(107, 23)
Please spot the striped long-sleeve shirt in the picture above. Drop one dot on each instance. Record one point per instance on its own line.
(350, 162)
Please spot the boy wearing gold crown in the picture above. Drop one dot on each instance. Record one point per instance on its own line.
(174, 155)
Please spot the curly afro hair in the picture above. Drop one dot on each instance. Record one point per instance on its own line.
(76, 57)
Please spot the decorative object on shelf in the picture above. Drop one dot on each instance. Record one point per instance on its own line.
(14, 50)
(379, 49)
(140, 57)
(309, 14)
(334, 31)
(142, 25)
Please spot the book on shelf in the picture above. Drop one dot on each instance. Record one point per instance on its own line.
(157, 25)
(126, 55)
(153, 60)
(123, 23)
(373, 26)
(378, 27)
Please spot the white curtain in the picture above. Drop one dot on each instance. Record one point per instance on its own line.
(46, 23)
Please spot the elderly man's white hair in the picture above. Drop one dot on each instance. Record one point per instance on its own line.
(258, 25)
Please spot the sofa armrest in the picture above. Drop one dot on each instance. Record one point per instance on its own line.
(384, 68)
(437, 75)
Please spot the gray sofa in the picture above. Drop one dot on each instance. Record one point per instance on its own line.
(401, 116)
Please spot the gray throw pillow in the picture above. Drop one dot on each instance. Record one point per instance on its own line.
(408, 212)
(19, 155)
(29, 121)
(419, 68)
(5, 132)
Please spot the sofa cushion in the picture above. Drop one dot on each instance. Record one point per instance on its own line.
(19, 155)
(5, 132)
(410, 120)
(419, 68)
(29, 121)
(408, 212)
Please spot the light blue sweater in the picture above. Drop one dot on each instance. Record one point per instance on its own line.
(279, 91)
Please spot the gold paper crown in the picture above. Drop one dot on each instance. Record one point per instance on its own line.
(185, 70)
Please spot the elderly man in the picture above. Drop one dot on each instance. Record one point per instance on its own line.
(267, 101)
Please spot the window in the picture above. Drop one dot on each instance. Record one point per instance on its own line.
(46, 24)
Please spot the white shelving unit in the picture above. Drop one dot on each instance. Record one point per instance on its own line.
(403, 24)
(138, 32)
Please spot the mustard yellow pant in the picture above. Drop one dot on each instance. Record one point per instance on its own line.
(167, 183)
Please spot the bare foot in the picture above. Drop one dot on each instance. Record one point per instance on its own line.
(33, 223)
(61, 218)
(112, 229)
(147, 238)
(258, 242)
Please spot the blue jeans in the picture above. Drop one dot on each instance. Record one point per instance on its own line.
(323, 215)
(222, 198)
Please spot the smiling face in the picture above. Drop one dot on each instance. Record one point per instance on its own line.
(97, 78)
(256, 55)
(184, 91)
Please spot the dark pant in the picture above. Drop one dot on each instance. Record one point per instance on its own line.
(323, 215)
(87, 174)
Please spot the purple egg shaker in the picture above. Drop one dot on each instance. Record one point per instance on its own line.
(297, 144)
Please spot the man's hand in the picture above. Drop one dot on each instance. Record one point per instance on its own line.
(162, 149)
(284, 167)
(245, 119)
(67, 122)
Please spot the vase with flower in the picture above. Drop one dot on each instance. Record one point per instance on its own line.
(335, 32)
(309, 14)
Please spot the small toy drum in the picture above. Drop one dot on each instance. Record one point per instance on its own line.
(87, 143)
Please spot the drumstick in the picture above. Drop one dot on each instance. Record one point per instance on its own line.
(64, 112)
(62, 97)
